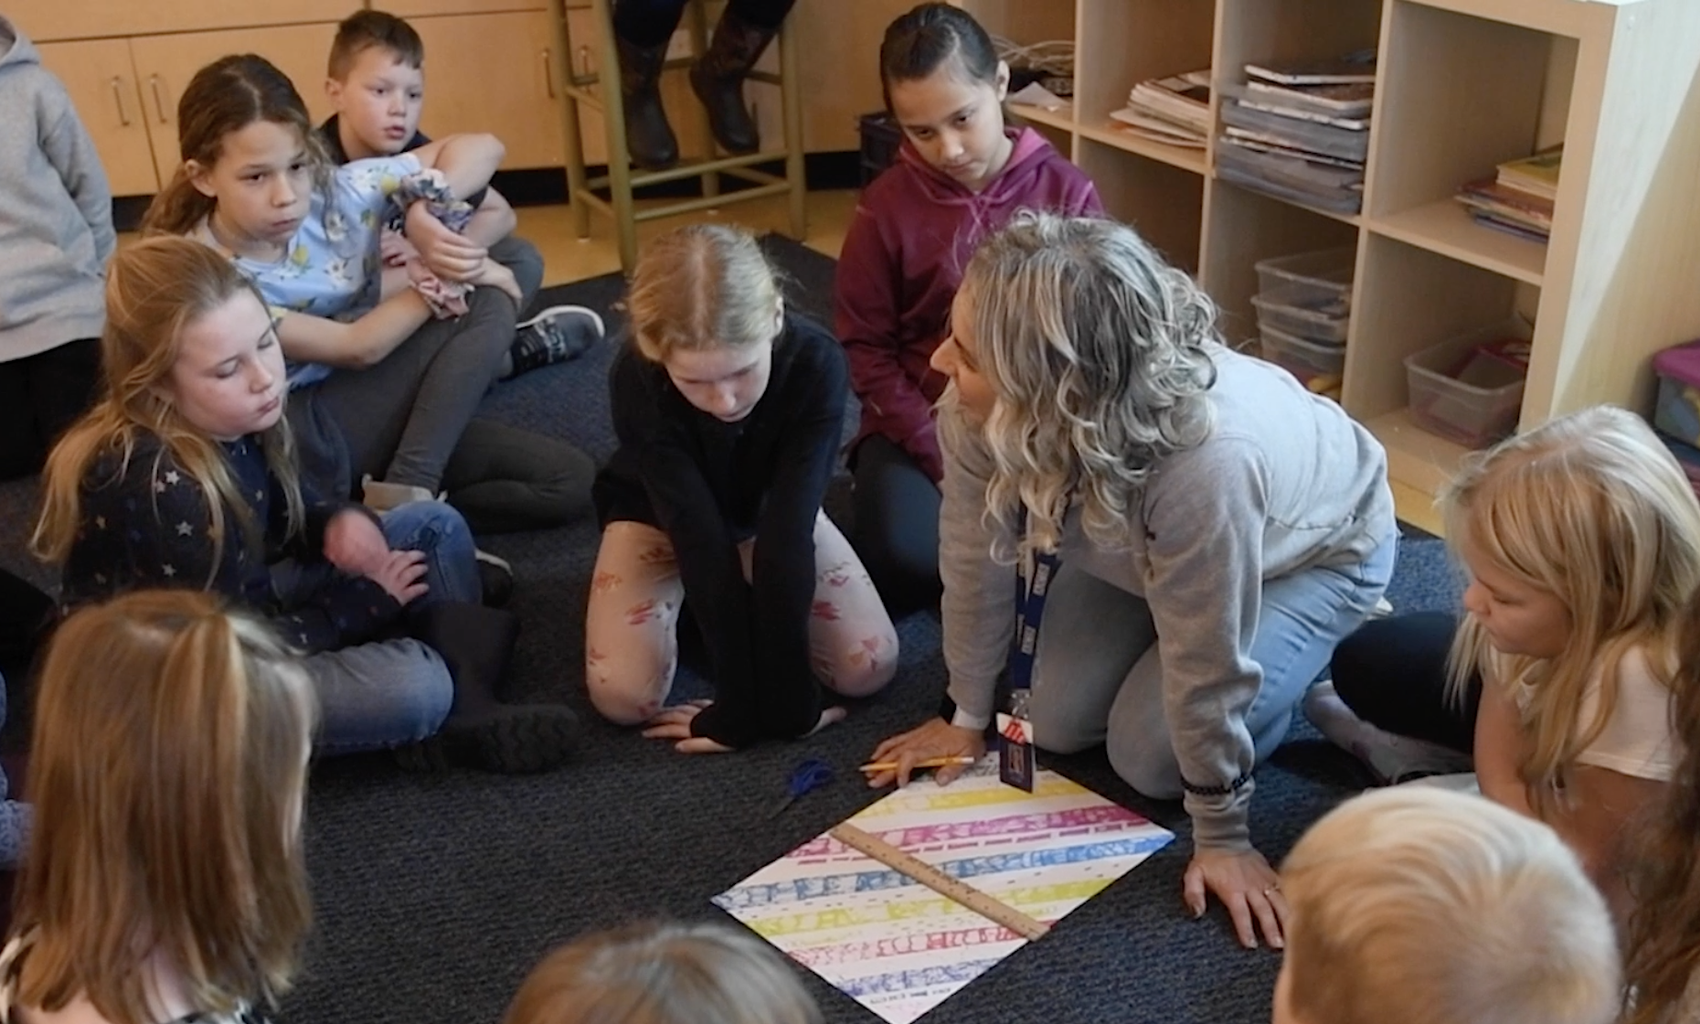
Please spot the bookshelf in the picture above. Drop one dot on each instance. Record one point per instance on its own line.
(1461, 85)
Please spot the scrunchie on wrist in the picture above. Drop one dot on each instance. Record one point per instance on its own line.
(431, 187)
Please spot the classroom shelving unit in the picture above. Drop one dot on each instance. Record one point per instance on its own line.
(1461, 85)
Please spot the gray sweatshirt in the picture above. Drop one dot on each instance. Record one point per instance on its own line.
(55, 210)
(1286, 482)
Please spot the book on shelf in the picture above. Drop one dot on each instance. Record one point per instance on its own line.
(1536, 175)
(1276, 106)
(1262, 142)
(1491, 198)
(1156, 129)
(1353, 99)
(1356, 68)
(1176, 106)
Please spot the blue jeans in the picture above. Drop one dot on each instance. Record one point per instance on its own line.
(389, 692)
(1098, 677)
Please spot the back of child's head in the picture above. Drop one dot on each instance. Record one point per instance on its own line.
(1593, 509)
(1096, 350)
(936, 36)
(702, 286)
(366, 30)
(167, 771)
(664, 974)
(1415, 905)
(154, 290)
(226, 96)
(1662, 955)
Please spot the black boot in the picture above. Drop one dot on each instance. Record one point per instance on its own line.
(480, 732)
(718, 80)
(649, 137)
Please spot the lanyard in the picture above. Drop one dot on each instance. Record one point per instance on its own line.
(1029, 609)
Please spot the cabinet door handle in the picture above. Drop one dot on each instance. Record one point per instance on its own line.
(584, 61)
(548, 73)
(118, 98)
(158, 102)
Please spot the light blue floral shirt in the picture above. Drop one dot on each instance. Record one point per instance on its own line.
(331, 267)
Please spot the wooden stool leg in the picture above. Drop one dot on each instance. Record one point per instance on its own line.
(699, 40)
(619, 157)
(791, 98)
(560, 79)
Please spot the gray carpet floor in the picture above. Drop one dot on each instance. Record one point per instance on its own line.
(435, 894)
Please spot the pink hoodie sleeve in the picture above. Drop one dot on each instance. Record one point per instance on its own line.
(866, 320)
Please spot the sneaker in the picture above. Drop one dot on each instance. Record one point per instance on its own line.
(1383, 609)
(555, 335)
(496, 576)
(1389, 757)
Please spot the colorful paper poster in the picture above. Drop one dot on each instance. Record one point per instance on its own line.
(898, 947)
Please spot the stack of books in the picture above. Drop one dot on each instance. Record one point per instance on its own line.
(1518, 199)
(1173, 110)
(1300, 130)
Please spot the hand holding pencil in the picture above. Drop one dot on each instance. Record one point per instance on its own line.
(935, 744)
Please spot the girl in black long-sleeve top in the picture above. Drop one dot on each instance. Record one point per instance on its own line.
(729, 415)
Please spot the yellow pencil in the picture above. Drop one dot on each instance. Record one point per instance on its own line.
(931, 762)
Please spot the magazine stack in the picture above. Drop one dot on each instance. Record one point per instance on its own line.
(1518, 199)
(1173, 110)
(1300, 130)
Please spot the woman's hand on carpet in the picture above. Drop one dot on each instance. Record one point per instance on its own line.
(1247, 886)
(935, 738)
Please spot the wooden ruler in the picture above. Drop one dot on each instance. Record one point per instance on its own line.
(941, 883)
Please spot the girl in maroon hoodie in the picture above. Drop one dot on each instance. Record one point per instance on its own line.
(961, 174)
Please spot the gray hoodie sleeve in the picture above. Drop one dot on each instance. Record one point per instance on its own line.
(72, 153)
(978, 606)
(1204, 518)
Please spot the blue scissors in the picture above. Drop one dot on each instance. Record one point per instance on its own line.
(810, 775)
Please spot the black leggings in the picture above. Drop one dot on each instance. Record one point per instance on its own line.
(40, 396)
(897, 525)
(1392, 674)
(650, 23)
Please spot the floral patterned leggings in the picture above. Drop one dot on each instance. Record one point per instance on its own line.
(630, 632)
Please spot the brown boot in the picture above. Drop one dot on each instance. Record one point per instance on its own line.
(718, 80)
(649, 138)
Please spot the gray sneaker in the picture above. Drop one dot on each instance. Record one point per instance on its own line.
(555, 335)
(1391, 758)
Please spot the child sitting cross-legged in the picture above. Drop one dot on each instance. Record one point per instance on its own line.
(376, 84)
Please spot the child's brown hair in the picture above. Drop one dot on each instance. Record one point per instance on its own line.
(702, 286)
(365, 30)
(664, 974)
(167, 771)
(227, 96)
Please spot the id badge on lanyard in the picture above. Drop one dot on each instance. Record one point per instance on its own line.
(1016, 765)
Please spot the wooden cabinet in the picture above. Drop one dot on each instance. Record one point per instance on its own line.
(126, 90)
(166, 63)
(1461, 85)
(491, 73)
(101, 79)
(88, 19)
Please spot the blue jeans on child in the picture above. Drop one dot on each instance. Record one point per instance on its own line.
(15, 816)
(389, 692)
(1098, 677)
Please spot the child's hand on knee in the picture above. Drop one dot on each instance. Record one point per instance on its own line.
(402, 575)
(355, 544)
(494, 275)
(451, 256)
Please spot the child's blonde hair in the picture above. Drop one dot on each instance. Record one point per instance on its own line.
(1594, 510)
(702, 286)
(227, 96)
(167, 772)
(1095, 349)
(1414, 905)
(664, 974)
(154, 290)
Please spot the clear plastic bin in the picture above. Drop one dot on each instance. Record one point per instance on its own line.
(1316, 278)
(1462, 396)
(1295, 309)
(1305, 360)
